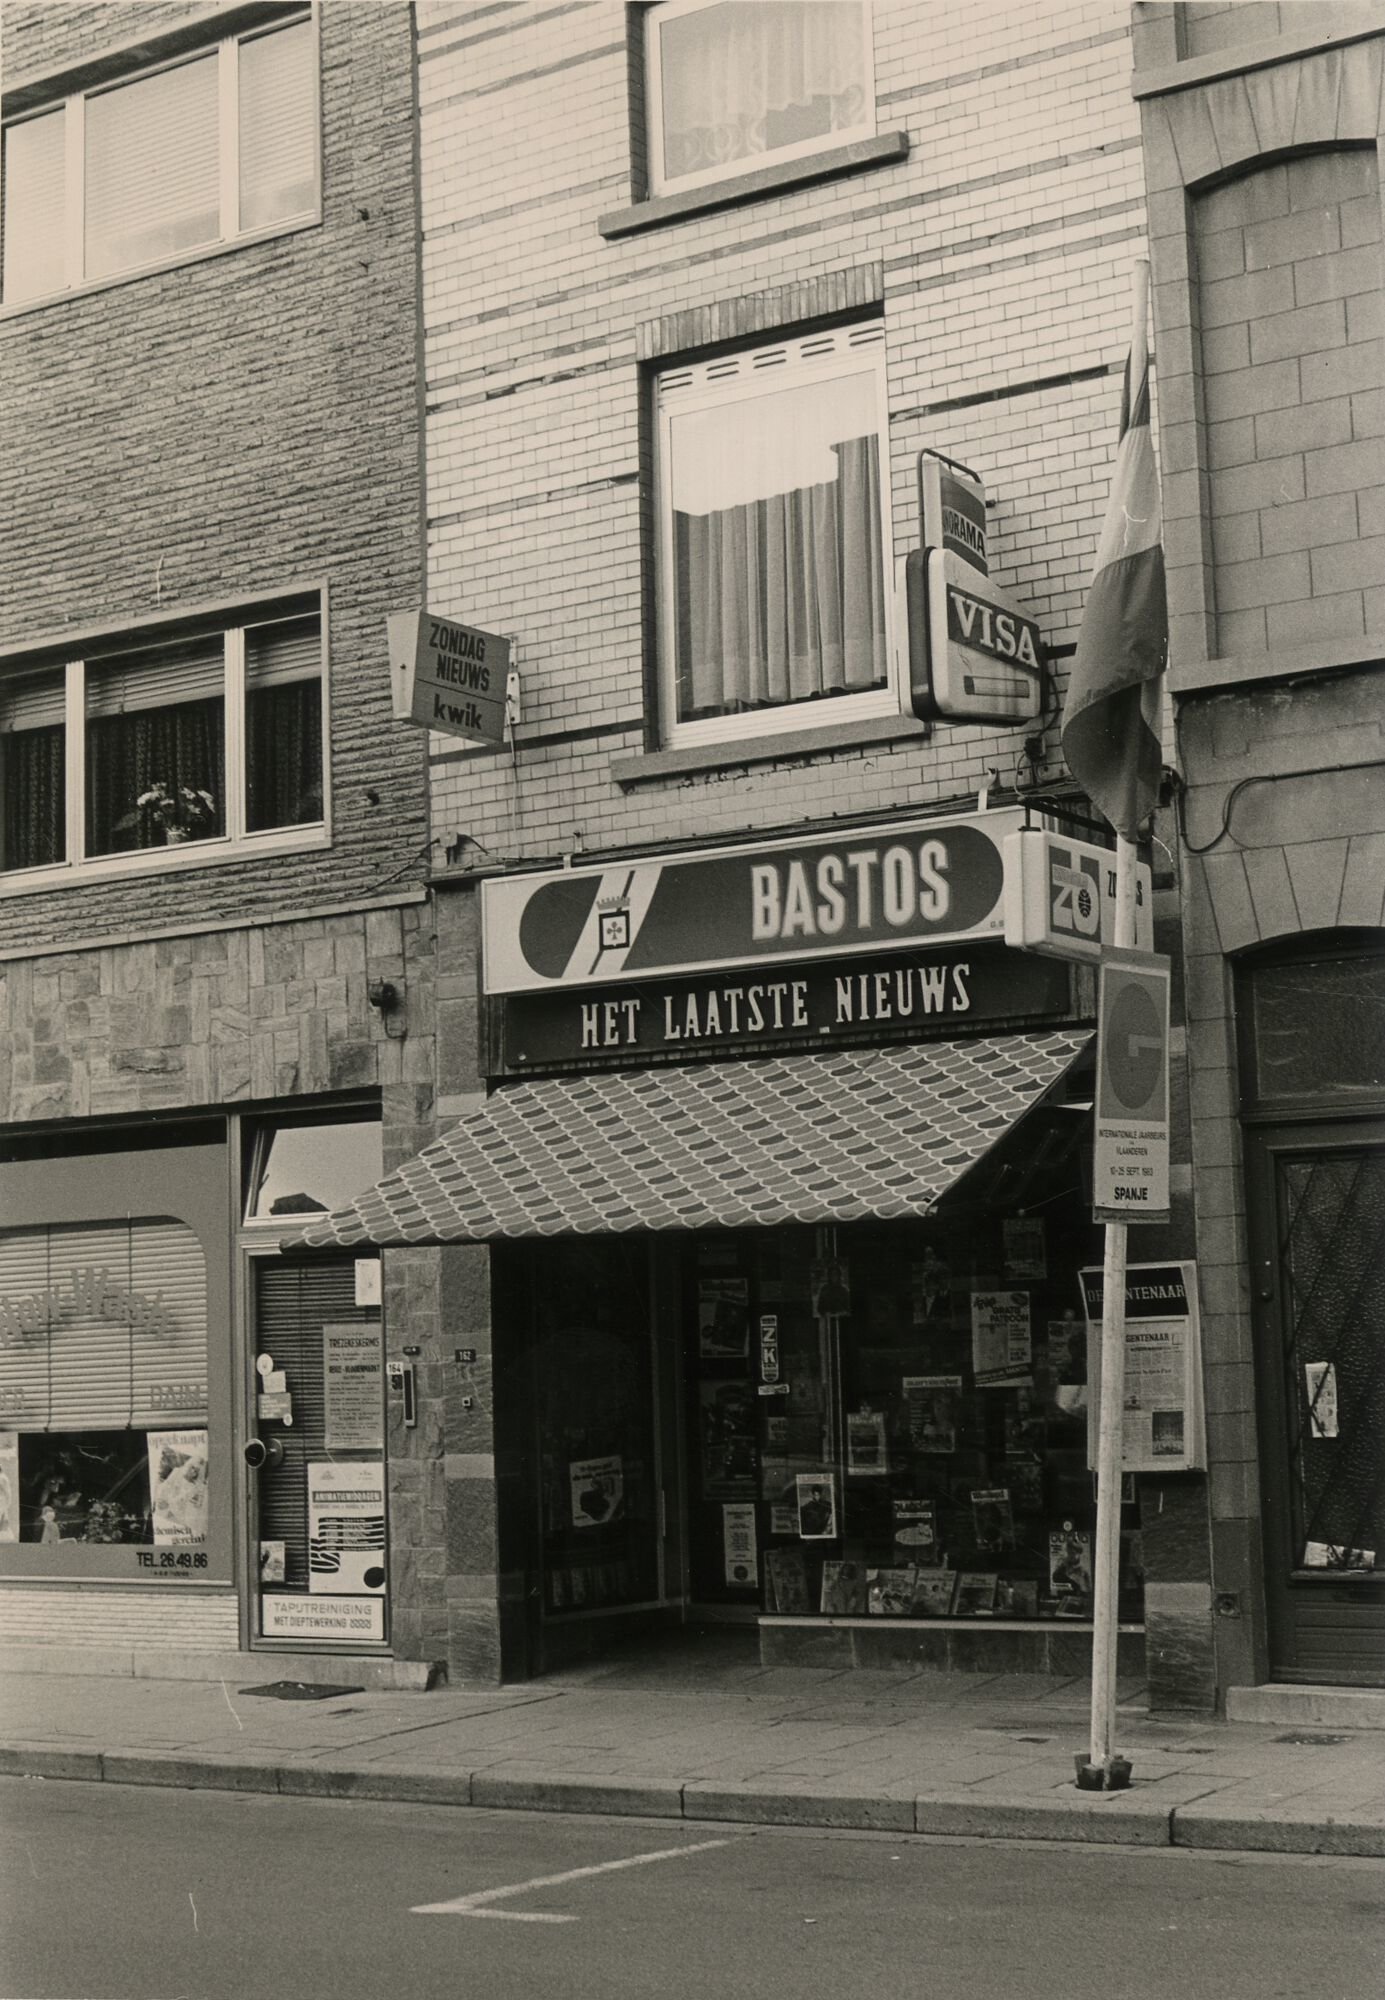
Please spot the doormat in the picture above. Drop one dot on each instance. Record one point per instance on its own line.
(302, 1690)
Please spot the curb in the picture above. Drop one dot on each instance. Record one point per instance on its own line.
(1111, 1819)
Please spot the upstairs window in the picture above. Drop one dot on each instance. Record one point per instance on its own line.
(150, 744)
(204, 150)
(739, 84)
(774, 523)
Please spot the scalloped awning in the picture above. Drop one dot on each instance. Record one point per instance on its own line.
(854, 1135)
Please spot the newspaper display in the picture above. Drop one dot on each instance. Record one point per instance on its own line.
(1162, 1426)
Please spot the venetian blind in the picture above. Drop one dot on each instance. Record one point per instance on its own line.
(33, 220)
(278, 152)
(153, 177)
(114, 1327)
(290, 650)
(156, 677)
(33, 701)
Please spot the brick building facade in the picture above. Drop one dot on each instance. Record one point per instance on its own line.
(211, 479)
(952, 243)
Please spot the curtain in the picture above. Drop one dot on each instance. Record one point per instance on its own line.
(743, 78)
(284, 752)
(126, 754)
(33, 780)
(782, 599)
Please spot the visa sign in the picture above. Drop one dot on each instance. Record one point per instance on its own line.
(974, 655)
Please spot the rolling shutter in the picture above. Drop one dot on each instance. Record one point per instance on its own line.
(278, 152)
(153, 169)
(290, 650)
(156, 677)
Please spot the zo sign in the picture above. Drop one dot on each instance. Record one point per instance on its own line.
(1131, 1156)
(1060, 896)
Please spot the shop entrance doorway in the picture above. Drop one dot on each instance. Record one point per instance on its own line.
(1311, 1028)
(1318, 1257)
(317, 1457)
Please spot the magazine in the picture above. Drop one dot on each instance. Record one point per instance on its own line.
(1069, 1561)
(1017, 1597)
(865, 1442)
(976, 1593)
(786, 1577)
(916, 1529)
(817, 1506)
(932, 1404)
(992, 1517)
(933, 1588)
(723, 1319)
(890, 1592)
(843, 1588)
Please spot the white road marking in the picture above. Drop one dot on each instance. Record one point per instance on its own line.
(474, 1906)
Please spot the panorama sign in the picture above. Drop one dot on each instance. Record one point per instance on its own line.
(873, 888)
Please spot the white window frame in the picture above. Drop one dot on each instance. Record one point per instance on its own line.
(743, 377)
(803, 149)
(237, 843)
(231, 235)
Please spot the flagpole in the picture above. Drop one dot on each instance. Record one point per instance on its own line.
(1106, 1555)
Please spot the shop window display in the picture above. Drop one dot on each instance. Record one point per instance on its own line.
(906, 1407)
(103, 1382)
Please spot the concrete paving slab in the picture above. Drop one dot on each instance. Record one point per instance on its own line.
(579, 1793)
(1284, 1827)
(1121, 1819)
(758, 1805)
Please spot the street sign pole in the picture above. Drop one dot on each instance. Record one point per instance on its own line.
(1106, 1555)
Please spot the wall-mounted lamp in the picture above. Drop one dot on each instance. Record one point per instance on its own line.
(382, 994)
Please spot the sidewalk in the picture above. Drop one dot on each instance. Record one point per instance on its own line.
(712, 1735)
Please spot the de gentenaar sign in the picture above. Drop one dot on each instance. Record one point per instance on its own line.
(871, 888)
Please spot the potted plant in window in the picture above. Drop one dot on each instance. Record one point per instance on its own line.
(182, 814)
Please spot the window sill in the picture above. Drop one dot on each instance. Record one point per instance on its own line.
(655, 765)
(1287, 663)
(659, 210)
(152, 861)
(245, 241)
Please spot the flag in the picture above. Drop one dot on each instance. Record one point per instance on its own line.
(1111, 719)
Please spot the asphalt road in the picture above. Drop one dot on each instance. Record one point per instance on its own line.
(112, 1892)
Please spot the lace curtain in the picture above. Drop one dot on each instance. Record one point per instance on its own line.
(743, 78)
(33, 779)
(127, 754)
(782, 599)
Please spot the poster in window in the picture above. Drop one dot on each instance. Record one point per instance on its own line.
(976, 1594)
(1001, 1346)
(843, 1589)
(932, 1404)
(352, 1386)
(723, 1319)
(930, 1287)
(273, 1561)
(9, 1486)
(178, 1487)
(933, 1588)
(786, 1574)
(727, 1414)
(830, 1281)
(597, 1486)
(741, 1565)
(346, 1528)
(993, 1519)
(865, 1443)
(817, 1506)
(1023, 1252)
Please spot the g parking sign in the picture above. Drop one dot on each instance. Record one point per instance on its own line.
(1131, 1164)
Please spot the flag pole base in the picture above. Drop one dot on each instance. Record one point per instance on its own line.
(1112, 1777)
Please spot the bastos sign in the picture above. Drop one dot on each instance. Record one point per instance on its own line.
(867, 889)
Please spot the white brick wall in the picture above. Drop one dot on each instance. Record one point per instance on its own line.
(1006, 240)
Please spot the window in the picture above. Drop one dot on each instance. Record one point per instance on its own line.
(209, 148)
(103, 1371)
(736, 84)
(150, 744)
(309, 1166)
(774, 522)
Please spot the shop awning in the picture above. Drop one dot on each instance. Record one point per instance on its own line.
(848, 1136)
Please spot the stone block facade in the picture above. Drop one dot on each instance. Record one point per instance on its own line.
(1262, 149)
